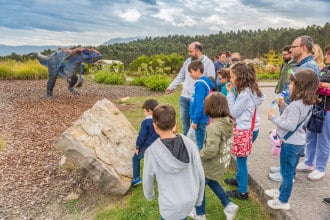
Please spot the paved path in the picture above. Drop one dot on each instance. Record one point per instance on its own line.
(306, 198)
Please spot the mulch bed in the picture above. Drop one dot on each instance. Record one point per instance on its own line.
(31, 181)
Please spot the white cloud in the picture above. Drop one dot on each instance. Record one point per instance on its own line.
(87, 22)
(130, 15)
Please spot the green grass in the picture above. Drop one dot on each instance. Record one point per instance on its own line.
(135, 206)
(72, 206)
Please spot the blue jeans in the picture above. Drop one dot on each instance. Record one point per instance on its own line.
(200, 135)
(218, 191)
(289, 158)
(136, 163)
(184, 114)
(242, 174)
(318, 146)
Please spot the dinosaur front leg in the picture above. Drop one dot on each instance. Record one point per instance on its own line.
(72, 82)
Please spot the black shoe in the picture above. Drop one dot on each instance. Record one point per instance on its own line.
(302, 154)
(326, 201)
(231, 182)
(237, 194)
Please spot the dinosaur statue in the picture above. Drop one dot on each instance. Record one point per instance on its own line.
(67, 64)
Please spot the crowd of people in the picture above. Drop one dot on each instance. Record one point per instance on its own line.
(219, 104)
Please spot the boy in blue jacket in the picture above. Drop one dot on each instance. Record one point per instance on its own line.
(203, 86)
(146, 137)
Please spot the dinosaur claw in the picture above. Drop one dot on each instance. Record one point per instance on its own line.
(74, 91)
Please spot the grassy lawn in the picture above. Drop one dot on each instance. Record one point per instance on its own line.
(134, 205)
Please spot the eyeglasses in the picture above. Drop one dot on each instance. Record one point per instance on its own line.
(292, 46)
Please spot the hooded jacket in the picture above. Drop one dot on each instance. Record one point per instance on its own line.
(176, 165)
(215, 154)
(203, 86)
(242, 108)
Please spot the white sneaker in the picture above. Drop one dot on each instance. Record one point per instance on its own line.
(274, 193)
(277, 177)
(303, 167)
(200, 217)
(231, 211)
(276, 204)
(316, 175)
(193, 214)
(275, 169)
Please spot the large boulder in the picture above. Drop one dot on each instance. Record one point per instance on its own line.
(102, 141)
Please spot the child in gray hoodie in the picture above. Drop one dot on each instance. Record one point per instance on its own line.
(175, 163)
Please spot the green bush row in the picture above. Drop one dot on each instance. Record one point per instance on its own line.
(153, 78)
(30, 69)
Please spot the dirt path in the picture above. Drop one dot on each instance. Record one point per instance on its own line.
(31, 181)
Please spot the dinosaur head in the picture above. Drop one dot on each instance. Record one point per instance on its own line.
(87, 55)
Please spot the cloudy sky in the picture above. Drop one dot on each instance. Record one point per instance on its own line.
(92, 22)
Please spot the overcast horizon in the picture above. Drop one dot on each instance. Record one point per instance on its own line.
(87, 22)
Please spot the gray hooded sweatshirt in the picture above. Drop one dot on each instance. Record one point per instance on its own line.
(177, 167)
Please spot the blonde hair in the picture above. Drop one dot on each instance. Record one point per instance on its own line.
(318, 55)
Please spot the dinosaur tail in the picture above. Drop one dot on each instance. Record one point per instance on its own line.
(43, 60)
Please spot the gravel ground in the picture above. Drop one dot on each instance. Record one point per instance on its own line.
(32, 185)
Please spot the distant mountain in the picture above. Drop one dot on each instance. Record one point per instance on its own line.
(6, 50)
(25, 49)
(122, 40)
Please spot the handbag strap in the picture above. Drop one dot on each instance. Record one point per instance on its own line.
(286, 137)
(253, 119)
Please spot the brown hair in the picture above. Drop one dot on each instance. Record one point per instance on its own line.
(305, 86)
(150, 104)
(164, 117)
(216, 105)
(195, 65)
(245, 77)
(224, 73)
(327, 48)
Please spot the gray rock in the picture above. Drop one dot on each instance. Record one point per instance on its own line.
(102, 141)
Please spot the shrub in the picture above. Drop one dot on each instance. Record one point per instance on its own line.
(138, 81)
(264, 75)
(30, 69)
(106, 77)
(157, 82)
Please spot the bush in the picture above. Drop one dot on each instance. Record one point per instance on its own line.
(138, 81)
(264, 75)
(106, 77)
(157, 82)
(31, 69)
